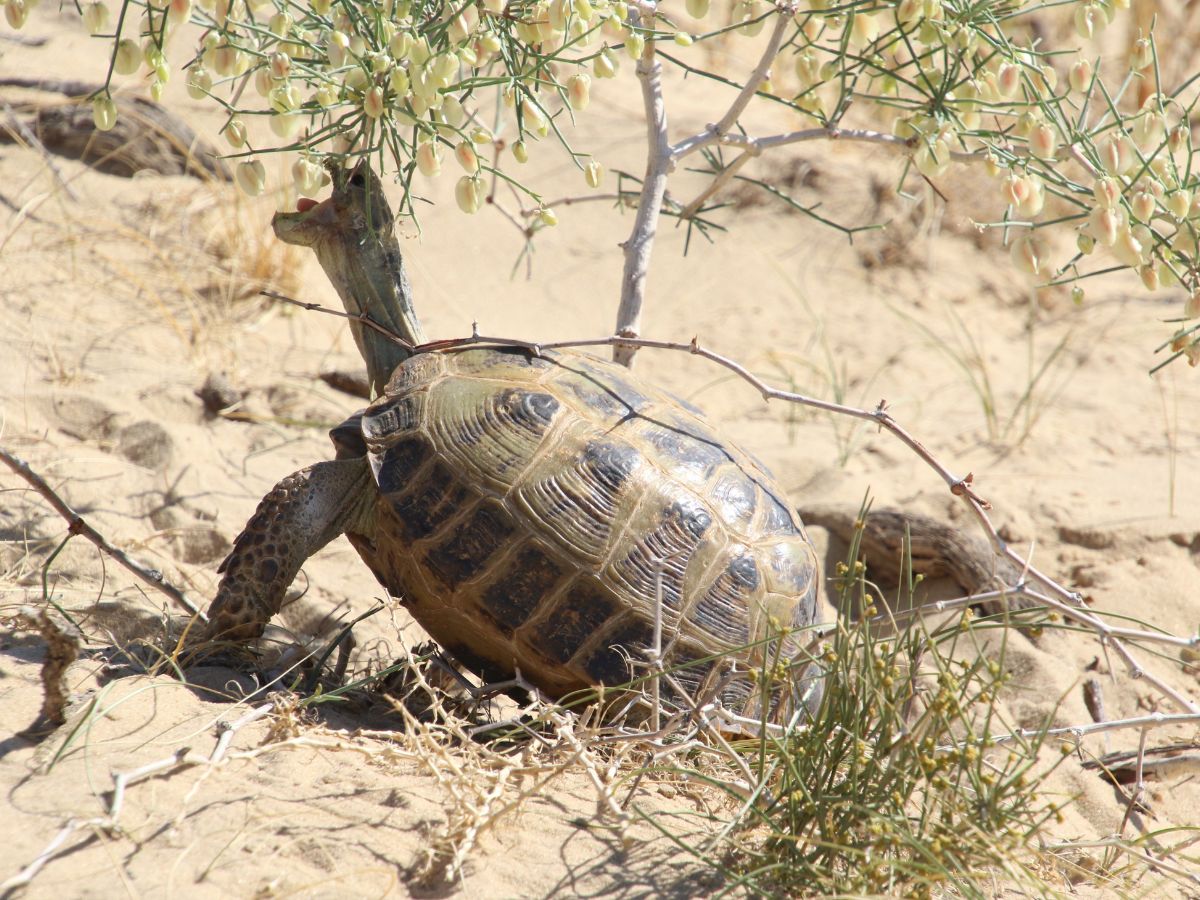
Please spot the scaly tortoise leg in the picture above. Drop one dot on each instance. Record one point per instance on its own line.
(300, 515)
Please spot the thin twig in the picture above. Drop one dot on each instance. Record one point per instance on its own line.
(184, 757)
(76, 524)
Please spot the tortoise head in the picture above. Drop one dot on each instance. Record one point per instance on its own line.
(353, 235)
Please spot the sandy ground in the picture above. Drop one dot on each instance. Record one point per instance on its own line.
(117, 303)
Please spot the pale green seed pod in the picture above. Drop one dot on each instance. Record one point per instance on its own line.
(579, 88)
(1150, 277)
(465, 153)
(1141, 56)
(1080, 76)
(1141, 204)
(1178, 203)
(635, 45)
(1028, 254)
(398, 79)
(373, 102)
(1043, 141)
(520, 152)
(429, 159)
(1086, 243)
(95, 17)
(605, 64)
(683, 39)
(453, 112)
(235, 133)
(129, 56)
(281, 24)
(469, 194)
(16, 12)
(281, 64)
(307, 176)
(481, 135)
(1077, 295)
(286, 125)
(251, 177)
(156, 89)
(548, 217)
(593, 174)
(104, 112)
(199, 83)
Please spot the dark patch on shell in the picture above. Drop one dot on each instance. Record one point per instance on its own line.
(436, 498)
(528, 578)
(466, 553)
(573, 622)
(610, 662)
(399, 463)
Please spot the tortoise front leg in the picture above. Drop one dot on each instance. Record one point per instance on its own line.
(300, 515)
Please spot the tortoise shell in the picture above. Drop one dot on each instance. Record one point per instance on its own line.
(532, 510)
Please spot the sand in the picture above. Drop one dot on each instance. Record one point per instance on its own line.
(119, 302)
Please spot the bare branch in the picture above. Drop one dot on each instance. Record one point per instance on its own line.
(654, 187)
(716, 132)
(77, 525)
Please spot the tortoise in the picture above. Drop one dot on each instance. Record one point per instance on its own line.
(534, 511)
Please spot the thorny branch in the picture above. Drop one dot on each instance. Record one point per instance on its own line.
(76, 524)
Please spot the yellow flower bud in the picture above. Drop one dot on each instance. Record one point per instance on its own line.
(593, 174)
(549, 219)
(579, 88)
(251, 177)
(469, 194)
(520, 152)
(634, 45)
(95, 17)
(104, 112)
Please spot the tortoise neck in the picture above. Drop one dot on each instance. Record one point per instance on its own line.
(370, 277)
(353, 234)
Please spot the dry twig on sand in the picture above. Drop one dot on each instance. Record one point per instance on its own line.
(76, 524)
